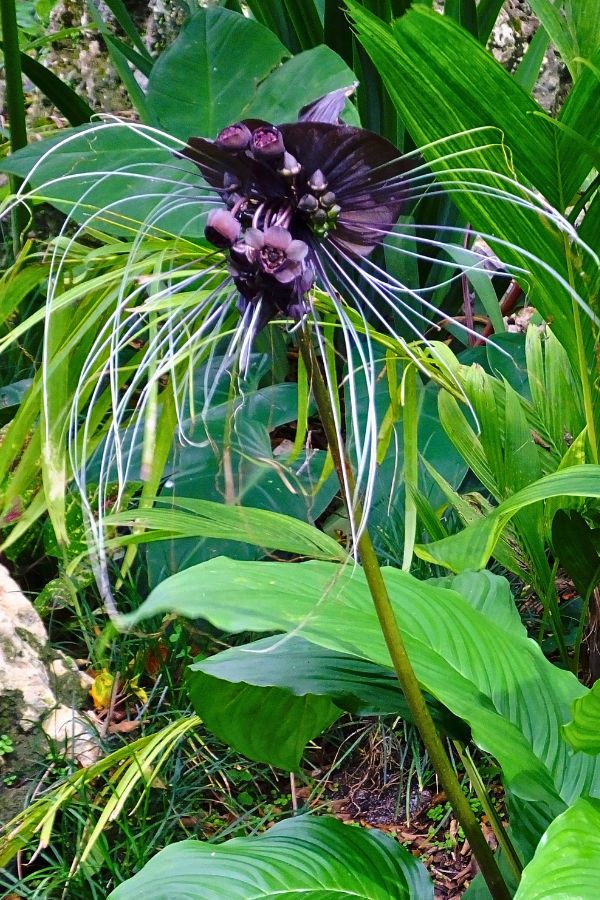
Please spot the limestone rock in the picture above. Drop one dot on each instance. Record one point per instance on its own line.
(23, 677)
(73, 734)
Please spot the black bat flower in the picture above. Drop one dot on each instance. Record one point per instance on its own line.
(288, 189)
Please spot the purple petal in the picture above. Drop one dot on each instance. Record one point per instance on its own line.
(222, 229)
(254, 238)
(328, 108)
(296, 251)
(363, 170)
(234, 138)
(277, 237)
(288, 272)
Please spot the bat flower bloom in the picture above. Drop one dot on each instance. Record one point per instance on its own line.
(312, 218)
(290, 195)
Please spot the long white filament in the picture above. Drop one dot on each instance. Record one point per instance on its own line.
(175, 336)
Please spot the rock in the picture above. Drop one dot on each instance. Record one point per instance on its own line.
(73, 734)
(24, 683)
(68, 683)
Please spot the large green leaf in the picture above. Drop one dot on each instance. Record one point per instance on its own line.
(472, 547)
(566, 864)
(267, 724)
(316, 857)
(300, 80)
(498, 681)
(227, 88)
(266, 699)
(114, 168)
(198, 83)
(583, 732)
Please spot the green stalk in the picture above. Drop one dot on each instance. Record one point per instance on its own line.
(502, 837)
(15, 105)
(584, 374)
(410, 426)
(396, 647)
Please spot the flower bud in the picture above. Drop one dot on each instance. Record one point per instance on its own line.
(267, 142)
(290, 166)
(308, 203)
(328, 199)
(317, 182)
(222, 229)
(234, 138)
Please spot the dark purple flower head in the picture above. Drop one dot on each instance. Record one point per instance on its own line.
(291, 186)
(234, 138)
(267, 143)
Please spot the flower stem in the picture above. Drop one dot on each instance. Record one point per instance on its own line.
(395, 643)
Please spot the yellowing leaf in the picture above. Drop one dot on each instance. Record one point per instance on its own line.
(101, 690)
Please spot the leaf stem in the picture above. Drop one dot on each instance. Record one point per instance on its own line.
(396, 646)
(502, 837)
(15, 105)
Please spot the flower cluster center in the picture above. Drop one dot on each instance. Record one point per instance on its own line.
(268, 220)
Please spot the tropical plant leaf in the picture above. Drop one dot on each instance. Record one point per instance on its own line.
(267, 723)
(305, 855)
(499, 682)
(189, 517)
(268, 698)
(567, 861)
(428, 61)
(583, 732)
(472, 547)
(194, 84)
(103, 172)
(262, 88)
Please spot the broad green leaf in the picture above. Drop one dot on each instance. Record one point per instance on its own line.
(300, 80)
(199, 82)
(189, 517)
(268, 698)
(267, 724)
(260, 87)
(583, 732)
(472, 547)
(309, 856)
(490, 594)
(112, 176)
(566, 864)
(499, 682)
